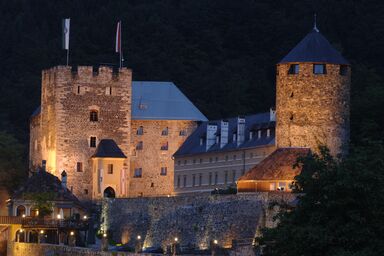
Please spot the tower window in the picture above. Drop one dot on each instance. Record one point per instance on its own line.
(108, 90)
(110, 168)
(291, 117)
(193, 180)
(163, 171)
(293, 69)
(343, 70)
(164, 146)
(93, 116)
(182, 133)
(92, 142)
(164, 132)
(319, 69)
(138, 173)
(200, 179)
(178, 181)
(79, 166)
(139, 145)
(140, 130)
(184, 180)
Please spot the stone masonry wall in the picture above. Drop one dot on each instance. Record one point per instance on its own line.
(194, 220)
(313, 109)
(152, 182)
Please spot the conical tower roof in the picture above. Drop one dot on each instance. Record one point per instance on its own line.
(314, 48)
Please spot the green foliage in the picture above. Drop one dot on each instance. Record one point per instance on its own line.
(41, 201)
(12, 169)
(341, 211)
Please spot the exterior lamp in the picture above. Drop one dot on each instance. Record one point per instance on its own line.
(41, 231)
(85, 217)
(215, 241)
(176, 239)
(72, 233)
(37, 212)
(138, 237)
(105, 235)
(23, 216)
(58, 216)
(21, 230)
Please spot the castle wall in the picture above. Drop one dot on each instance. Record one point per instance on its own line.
(35, 154)
(196, 220)
(313, 109)
(151, 157)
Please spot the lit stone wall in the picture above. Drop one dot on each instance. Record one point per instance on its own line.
(313, 109)
(196, 220)
(151, 158)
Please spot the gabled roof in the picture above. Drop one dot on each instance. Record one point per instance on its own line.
(192, 145)
(44, 182)
(277, 166)
(108, 148)
(314, 48)
(162, 101)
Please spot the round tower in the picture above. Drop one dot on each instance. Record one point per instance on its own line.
(312, 96)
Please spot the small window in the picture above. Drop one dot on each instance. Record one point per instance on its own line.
(164, 146)
(319, 69)
(250, 135)
(164, 132)
(182, 133)
(184, 180)
(108, 90)
(138, 173)
(139, 145)
(268, 132)
(79, 167)
(210, 178)
(110, 168)
(93, 116)
(152, 185)
(163, 171)
(178, 181)
(78, 90)
(281, 186)
(92, 142)
(86, 191)
(140, 130)
(272, 186)
(343, 70)
(193, 180)
(293, 69)
(179, 162)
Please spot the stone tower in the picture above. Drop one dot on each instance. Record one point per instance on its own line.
(79, 108)
(312, 96)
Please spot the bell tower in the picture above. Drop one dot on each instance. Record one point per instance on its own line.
(313, 96)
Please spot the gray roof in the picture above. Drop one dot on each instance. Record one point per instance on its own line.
(252, 123)
(108, 148)
(162, 101)
(159, 101)
(314, 48)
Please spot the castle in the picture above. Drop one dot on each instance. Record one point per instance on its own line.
(115, 137)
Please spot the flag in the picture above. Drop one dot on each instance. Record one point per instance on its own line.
(118, 37)
(66, 23)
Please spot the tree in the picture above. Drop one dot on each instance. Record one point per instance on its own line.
(341, 211)
(41, 201)
(12, 169)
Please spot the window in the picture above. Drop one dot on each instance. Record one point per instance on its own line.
(234, 157)
(182, 133)
(93, 116)
(163, 171)
(152, 185)
(281, 186)
(139, 145)
(193, 180)
(200, 179)
(138, 173)
(179, 162)
(233, 176)
(164, 146)
(268, 132)
(86, 191)
(140, 130)
(225, 177)
(79, 167)
(108, 90)
(210, 178)
(319, 69)
(250, 135)
(259, 134)
(92, 142)
(343, 70)
(272, 186)
(184, 180)
(110, 168)
(216, 178)
(164, 132)
(78, 89)
(293, 69)
(178, 181)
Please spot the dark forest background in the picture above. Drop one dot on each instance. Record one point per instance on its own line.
(220, 53)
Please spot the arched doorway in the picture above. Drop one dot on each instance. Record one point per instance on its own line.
(20, 210)
(33, 236)
(20, 236)
(109, 192)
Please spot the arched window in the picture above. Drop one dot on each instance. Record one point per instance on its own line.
(20, 210)
(109, 192)
(93, 116)
(164, 132)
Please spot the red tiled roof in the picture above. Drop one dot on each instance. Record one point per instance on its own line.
(277, 166)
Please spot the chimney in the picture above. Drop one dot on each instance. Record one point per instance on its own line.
(240, 130)
(272, 115)
(224, 133)
(64, 179)
(211, 135)
(44, 165)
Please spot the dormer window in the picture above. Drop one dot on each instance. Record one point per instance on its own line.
(259, 134)
(293, 69)
(319, 69)
(343, 70)
(250, 135)
(268, 132)
(93, 116)
(164, 132)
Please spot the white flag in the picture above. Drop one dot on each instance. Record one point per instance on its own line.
(66, 24)
(118, 38)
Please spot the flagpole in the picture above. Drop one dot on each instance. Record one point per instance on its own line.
(68, 56)
(121, 48)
